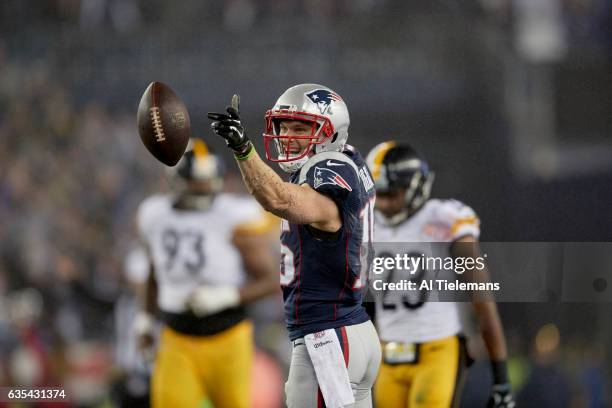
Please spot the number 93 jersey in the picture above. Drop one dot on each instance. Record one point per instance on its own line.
(321, 272)
(416, 316)
(193, 247)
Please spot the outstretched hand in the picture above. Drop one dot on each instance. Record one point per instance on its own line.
(229, 127)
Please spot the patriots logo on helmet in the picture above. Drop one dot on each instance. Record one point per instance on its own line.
(323, 99)
(327, 176)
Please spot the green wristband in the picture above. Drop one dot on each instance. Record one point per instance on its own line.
(246, 154)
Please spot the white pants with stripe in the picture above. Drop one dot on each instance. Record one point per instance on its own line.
(363, 354)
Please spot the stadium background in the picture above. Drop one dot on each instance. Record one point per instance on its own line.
(511, 101)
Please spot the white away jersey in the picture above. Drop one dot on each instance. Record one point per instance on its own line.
(190, 248)
(409, 319)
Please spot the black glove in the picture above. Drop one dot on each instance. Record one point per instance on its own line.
(501, 397)
(501, 393)
(229, 127)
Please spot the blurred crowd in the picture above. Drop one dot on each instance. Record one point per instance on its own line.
(72, 176)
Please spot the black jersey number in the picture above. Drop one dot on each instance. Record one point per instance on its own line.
(184, 253)
(409, 302)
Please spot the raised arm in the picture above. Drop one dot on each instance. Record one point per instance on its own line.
(296, 204)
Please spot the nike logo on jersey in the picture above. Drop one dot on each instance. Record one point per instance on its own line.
(331, 163)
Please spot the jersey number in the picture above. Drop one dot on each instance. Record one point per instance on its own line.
(366, 253)
(287, 266)
(184, 253)
(406, 300)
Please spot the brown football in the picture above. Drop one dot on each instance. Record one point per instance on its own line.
(163, 123)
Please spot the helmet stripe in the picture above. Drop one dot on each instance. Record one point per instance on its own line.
(200, 150)
(379, 156)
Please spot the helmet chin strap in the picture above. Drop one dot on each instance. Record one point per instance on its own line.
(404, 213)
(397, 218)
(294, 165)
(195, 201)
(413, 203)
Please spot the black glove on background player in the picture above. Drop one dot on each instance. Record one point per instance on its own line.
(229, 127)
(501, 394)
(501, 397)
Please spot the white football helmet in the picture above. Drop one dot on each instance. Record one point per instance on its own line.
(310, 103)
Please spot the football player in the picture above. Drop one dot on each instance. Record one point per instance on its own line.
(209, 258)
(326, 210)
(423, 352)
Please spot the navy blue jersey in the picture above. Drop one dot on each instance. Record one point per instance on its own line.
(321, 273)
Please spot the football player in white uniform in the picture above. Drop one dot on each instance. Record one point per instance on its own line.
(210, 258)
(424, 355)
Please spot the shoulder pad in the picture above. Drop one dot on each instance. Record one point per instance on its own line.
(329, 160)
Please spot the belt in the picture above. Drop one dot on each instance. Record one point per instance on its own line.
(189, 324)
